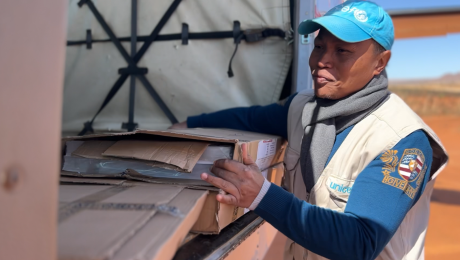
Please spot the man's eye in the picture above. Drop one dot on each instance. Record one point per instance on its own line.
(342, 50)
(317, 47)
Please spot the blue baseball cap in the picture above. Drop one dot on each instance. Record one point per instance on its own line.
(354, 21)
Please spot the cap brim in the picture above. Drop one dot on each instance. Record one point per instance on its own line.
(340, 27)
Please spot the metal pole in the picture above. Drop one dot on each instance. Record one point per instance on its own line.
(303, 46)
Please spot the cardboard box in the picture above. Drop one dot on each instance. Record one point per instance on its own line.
(267, 150)
(214, 216)
(275, 174)
(127, 221)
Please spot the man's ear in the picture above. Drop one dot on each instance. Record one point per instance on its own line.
(382, 62)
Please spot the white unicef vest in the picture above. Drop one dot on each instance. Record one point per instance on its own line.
(372, 136)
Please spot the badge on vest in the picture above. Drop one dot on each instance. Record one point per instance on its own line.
(405, 174)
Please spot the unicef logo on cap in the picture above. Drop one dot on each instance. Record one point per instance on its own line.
(360, 15)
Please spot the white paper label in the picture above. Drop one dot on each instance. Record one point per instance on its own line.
(265, 153)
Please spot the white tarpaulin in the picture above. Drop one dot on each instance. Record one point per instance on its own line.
(191, 79)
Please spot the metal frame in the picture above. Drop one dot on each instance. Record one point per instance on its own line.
(303, 46)
(215, 247)
(131, 125)
(132, 69)
(135, 72)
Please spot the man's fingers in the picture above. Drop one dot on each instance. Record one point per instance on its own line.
(224, 174)
(220, 183)
(230, 165)
(247, 159)
(227, 199)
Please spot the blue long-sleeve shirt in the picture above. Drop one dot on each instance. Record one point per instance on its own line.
(271, 119)
(374, 210)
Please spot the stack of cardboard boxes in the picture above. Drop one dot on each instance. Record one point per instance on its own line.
(136, 195)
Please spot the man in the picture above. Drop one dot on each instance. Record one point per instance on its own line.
(360, 164)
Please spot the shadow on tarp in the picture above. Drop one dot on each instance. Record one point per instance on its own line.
(446, 196)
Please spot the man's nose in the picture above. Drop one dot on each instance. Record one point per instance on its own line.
(325, 59)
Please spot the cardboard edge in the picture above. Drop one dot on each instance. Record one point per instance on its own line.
(279, 156)
(173, 243)
(120, 240)
(81, 180)
(213, 204)
(70, 138)
(84, 175)
(224, 217)
(196, 184)
(119, 151)
(132, 180)
(186, 136)
(276, 174)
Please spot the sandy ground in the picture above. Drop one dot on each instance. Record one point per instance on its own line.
(443, 237)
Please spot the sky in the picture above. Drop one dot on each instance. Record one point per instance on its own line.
(424, 57)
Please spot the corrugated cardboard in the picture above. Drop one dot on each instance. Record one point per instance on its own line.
(146, 221)
(214, 215)
(196, 182)
(102, 181)
(93, 149)
(183, 154)
(266, 150)
(275, 174)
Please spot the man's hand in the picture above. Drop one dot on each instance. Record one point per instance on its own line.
(242, 181)
(181, 125)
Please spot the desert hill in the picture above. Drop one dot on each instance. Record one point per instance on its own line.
(438, 96)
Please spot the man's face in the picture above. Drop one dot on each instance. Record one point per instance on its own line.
(340, 68)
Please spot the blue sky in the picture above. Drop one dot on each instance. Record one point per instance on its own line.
(426, 57)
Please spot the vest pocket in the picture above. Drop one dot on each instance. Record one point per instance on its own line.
(339, 191)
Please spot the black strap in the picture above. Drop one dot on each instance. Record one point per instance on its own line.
(157, 30)
(89, 39)
(191, 36)
(131, 125)
(131, 62)
(236, 32)
(230, 71)
(133, 71)
(254, 35)
(273, 32)
(88, 125)
(82, 2)
(109, 31)
(184, 34)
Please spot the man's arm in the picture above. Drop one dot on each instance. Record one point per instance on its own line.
(270, 119)
(373, 213)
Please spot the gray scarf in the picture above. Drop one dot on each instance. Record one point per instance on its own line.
(323, 119)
